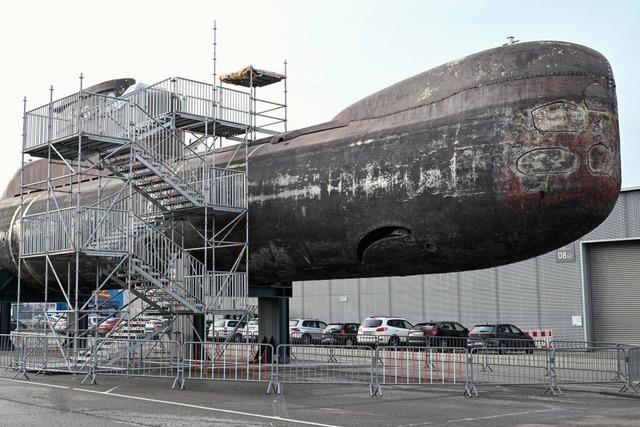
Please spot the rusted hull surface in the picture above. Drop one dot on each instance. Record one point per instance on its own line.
(488, 160)
(432, 176)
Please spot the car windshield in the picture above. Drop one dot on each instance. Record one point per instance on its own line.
(371, 323)
(482, 329)
(429, 325)
(293, 322)
(219, 323)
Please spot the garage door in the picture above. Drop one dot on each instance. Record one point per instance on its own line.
(615, 291)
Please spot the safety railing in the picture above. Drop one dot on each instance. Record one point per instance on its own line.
(421, 365)
(224, 290)
(48, 232)
(153, 102)
(9, 351)
(632, 370)
(105, 230)
(325, 364)
(190, 98)
(319, 364)
(518, 366)
(51, 352)
(111, 117)
(193, 98)
(54, 232)
(227, 187)
(234, 106)
(589, 365)
(228, 361)
(136, 357)
(80, 112)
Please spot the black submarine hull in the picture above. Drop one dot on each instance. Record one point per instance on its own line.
(488, 160)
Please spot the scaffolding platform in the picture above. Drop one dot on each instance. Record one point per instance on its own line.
(67, 146)
(158, 218)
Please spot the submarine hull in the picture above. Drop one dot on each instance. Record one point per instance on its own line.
(491, 159)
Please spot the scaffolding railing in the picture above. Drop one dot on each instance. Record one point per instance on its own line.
(85, 112)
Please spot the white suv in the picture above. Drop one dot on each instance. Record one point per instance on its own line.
(223, 328)
(306, 331)
(380, 330)
(250, 332)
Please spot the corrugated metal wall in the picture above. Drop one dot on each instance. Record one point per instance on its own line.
(615, 291)
(542, 292)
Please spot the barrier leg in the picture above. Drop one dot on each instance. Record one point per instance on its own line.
(469, 386)
(552, 386)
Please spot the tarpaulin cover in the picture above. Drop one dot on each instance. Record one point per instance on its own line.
(260, 77)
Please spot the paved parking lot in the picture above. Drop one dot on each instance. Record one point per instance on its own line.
(62, 400)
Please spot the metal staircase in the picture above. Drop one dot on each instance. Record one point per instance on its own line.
(159, 143)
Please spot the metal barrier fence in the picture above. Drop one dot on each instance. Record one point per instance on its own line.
(420, 365)
(8, 352)
(599, 365)
(136, 357)
(325, 365)
(509, 364)
(517, 367)
(227, 361)
(632, 370)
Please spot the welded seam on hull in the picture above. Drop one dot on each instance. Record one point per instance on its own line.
(479, 85)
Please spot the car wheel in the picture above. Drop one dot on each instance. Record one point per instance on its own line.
(239, 338)
(442, 342)
(394, 341)
(348, 342)
(306, 339)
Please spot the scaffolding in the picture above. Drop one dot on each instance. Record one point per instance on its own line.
(153, 202)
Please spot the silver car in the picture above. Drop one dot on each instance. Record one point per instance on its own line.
(306, 331)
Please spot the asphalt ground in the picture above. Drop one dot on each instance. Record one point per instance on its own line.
(51, 400)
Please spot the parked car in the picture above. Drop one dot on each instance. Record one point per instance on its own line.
(381, 330)
(153, 325)
(59, 322)
(439, 334)
(95, 320)
(306, 331)
(108, 325)
(340, 333)
(250, 331)
(223, 328)
(499, 337)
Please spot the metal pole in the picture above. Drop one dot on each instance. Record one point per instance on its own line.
(285, 95)
(48, 217)
(78, 225)
(24, 141)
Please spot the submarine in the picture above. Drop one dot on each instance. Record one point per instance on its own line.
(487, 160)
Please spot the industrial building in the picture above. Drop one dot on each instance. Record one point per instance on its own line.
(587, 290)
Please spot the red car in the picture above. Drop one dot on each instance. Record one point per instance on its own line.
(108, 325)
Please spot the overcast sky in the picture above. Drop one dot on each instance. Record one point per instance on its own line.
(338, 51)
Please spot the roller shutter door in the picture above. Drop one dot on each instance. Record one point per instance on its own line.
(615, 291)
